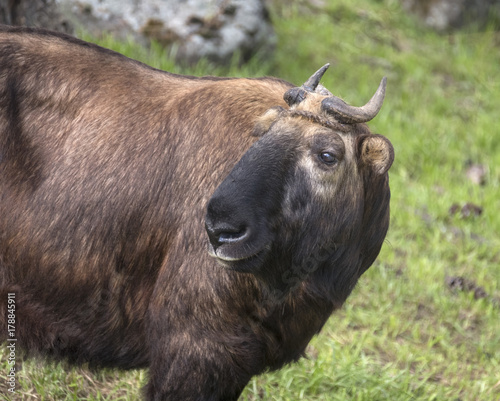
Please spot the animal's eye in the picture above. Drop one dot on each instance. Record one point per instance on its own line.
(327, 158)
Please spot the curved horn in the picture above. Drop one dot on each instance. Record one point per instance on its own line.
(311, 84)
(298, 94)
(347, 114)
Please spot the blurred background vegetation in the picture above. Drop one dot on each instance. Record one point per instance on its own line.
(424, 321)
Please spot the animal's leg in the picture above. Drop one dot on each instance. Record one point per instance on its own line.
(187, 369)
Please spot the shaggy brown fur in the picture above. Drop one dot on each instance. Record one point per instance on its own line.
(106, 169)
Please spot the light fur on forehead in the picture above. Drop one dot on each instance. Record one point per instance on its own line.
(312, 104)
(265, 121)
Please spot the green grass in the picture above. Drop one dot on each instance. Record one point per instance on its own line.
(404, 334)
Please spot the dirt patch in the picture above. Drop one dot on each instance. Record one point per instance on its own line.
(462, 284)
(459, 283)
(466, 211)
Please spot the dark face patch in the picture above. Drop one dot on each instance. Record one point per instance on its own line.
(240, 214)
(296, 192)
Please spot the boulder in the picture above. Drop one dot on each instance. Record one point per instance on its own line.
(445, 15)
(35, 13)
(193, 29)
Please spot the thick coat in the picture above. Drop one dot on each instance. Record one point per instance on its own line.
(201, 227)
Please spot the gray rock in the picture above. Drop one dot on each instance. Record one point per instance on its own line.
(444, 15)
(215, 29)
(34, 13)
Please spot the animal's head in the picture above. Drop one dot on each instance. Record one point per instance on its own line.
(310, 196)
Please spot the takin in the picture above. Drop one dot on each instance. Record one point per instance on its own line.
(203, 228)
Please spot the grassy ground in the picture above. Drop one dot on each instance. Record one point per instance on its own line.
(424, 321)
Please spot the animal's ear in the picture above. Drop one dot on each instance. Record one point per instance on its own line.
(377, 152)
(265, 121)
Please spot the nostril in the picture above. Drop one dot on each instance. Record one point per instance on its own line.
(228, 237)
(224, 234)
